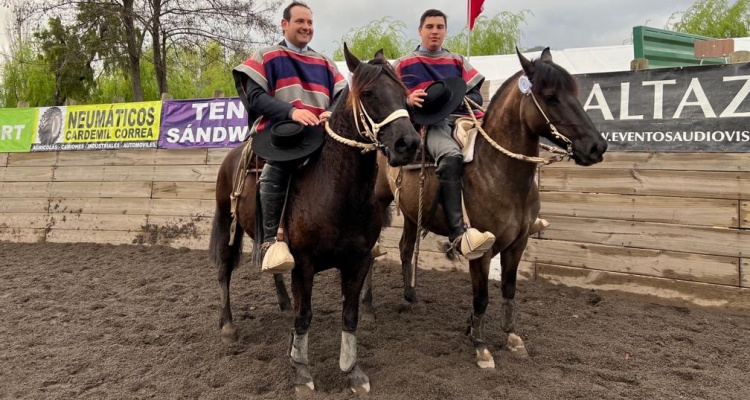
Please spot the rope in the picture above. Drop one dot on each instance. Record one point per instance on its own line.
(413, 282)
(239, 185)
(536, 160)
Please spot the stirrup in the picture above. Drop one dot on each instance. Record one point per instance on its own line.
(378, 251)
(277, 259)
(539, 225)
(472, 244)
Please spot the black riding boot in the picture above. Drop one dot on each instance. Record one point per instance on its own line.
(449, 172)
(469, 242)
(273, 186)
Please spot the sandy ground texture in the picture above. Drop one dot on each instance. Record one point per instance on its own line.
(128, 322)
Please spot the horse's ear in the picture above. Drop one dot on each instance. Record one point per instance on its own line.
(352, 62)
(546, 55)
(528, 66)
(379, 54)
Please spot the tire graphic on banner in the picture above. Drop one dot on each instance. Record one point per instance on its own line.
(50, 126)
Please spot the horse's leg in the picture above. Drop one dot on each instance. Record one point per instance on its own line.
(302, 283)
(406, 244)
(285, 304)
(479, 270)
(510, 258)
(226, 258)
(351, 287)
(368, 312)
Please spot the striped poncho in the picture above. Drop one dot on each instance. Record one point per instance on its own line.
(306, 80)
(419, 69)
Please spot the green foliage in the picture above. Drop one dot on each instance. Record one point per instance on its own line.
(715, 18)
(491, 36)
(384, 33)
(25, 77)
(67, 59)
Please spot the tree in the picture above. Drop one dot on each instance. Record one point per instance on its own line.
(25, 76)
(384, 33)
(491, 36)
(714, 18)
(68, 60)
(124, 26)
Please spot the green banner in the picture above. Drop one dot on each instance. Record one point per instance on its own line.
(16, 129)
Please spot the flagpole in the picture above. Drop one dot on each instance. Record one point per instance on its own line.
(468, 37)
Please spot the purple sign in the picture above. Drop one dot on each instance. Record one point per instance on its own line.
(218, 122)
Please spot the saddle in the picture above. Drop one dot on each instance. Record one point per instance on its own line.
(464, 133)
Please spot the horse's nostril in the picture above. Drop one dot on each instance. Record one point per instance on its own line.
(400, 145)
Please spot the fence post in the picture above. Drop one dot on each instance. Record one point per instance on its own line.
(218, 93)
(118, 99)
(739, 56)
(639, 64)
(22, 104)
(166, 96)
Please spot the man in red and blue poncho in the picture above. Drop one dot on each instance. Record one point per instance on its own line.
(288, 81)
(429, 63)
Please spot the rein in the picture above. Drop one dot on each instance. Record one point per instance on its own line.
(371, 131)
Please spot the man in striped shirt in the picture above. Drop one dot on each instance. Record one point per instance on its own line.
(288, 81)
(429, 63)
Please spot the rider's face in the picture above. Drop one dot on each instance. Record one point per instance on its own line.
(299, 29)
(433, 33)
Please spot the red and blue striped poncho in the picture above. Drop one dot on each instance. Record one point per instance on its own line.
(307, 80)
(419, 69)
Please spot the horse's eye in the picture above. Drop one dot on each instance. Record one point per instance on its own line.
(367, 94)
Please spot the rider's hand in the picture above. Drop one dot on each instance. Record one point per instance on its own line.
(416, 98)
(305, 117)
(324, 116)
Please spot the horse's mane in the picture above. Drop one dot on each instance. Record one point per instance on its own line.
(546, 74)
(366, 74)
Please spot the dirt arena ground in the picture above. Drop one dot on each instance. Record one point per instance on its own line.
(128, 322)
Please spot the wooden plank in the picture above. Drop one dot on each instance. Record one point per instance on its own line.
(3, 159)
(91, 236)
(745, 272)
(176, 207)
(661, 264)
(703, 294)
(24, 205)
(712, 185)
(24, 220)
(74, 189)
(41, 159)
(675, 210)
(192, 225)
(26, 174)
(132, 157)
(744, 215)
(184, 190)
(650, 235)
(22, 235)
(216, 156)
(98, 222)
(667, 161)
(99, 189)
(137, 173)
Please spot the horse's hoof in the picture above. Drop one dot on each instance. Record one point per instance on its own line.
(410, 295)
(485, 360)
(228, 334)
(359, 383)
(516, 347)
(304, 389)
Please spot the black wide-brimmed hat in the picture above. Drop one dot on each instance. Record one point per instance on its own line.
(442, 98)
(288, 141)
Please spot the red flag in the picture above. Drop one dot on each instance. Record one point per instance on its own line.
(475, 8)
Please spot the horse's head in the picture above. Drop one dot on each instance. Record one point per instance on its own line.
(553, 101)
(378, 97)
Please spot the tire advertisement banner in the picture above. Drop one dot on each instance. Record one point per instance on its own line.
(98, 127)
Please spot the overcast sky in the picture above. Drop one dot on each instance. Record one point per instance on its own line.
(558, 24)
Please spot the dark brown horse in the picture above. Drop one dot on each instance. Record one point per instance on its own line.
(332, 218)
(499, 191)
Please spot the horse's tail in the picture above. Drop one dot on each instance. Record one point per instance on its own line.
(219, 249)
(387, 215)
